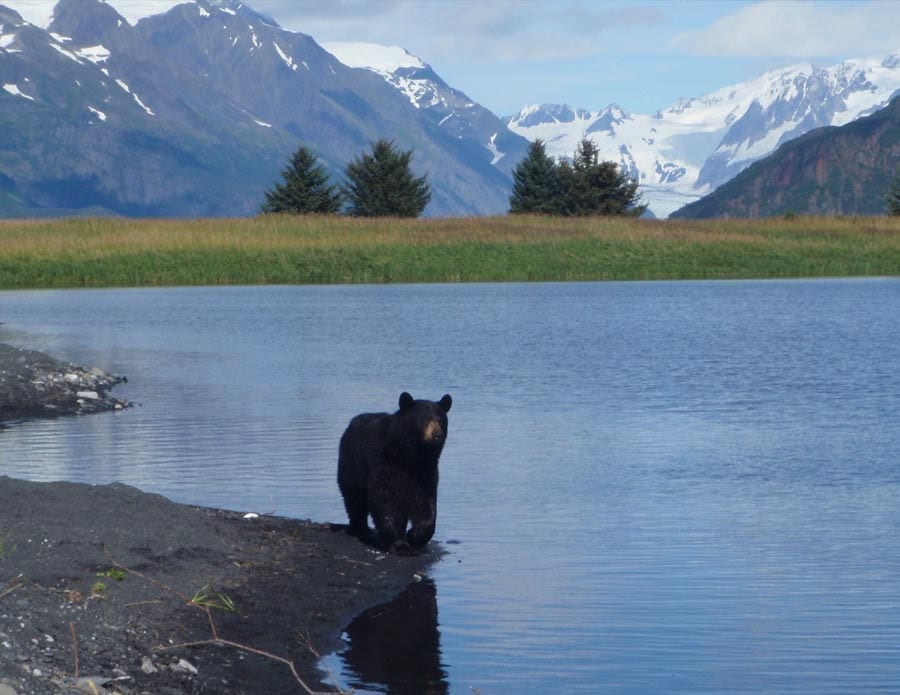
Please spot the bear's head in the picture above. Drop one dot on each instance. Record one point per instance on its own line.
(426, 419)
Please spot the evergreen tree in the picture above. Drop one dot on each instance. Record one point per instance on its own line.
(584, 186)
(305, 189)
(381, 184)
(536, 183)
(893, 198)
(596, 187)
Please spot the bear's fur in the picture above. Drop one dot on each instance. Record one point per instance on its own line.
(388, 468)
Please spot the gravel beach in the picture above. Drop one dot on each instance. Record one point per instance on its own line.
(107, 589)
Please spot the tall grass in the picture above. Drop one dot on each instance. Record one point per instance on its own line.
(103, 252)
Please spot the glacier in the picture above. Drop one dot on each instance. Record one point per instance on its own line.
(681, 153)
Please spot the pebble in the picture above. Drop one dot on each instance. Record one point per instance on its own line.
(184, 666)
(92, 685)
(147, 665)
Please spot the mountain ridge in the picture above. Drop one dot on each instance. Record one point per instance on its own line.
(194, 112)
(685, 151)
(831, 170)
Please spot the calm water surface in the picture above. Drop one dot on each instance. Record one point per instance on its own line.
(647, 488)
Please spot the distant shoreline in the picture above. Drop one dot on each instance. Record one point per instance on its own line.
(284, 249)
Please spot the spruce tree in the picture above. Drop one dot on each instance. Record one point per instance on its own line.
(380, 184)
(305, 189)
(596, 187)
(536, 183)
(893, 198)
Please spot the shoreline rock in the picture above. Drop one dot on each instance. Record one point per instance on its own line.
(33, 384)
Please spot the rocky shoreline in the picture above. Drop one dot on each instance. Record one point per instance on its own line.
(108, 590)
(33, 384)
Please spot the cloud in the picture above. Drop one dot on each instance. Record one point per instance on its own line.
(507, 30)
(798, 29)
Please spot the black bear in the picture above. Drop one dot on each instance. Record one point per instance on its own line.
(388, 467)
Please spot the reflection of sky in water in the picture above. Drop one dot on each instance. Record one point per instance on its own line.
(680, 487)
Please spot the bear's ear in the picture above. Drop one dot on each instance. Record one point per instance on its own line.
(406, 400)
(446, 402)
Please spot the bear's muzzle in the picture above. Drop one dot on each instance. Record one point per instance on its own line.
(434, 433)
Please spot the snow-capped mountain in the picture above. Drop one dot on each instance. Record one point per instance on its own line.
(841, 170)
(450, 109)
(195, 111)
(687, 150)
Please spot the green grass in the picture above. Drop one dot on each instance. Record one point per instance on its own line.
(111, 252)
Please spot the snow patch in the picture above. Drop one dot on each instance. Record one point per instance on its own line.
(95, 54)
(288, 60)
(381, 59)
(98, 113)
(492, 148)
(15, 91)
(386, 61)
(137, 99)
(140, 103)
(67, 54)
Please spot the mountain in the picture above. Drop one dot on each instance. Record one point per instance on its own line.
(682, 153)
(830, 170)
(455, 113)
(195, 112)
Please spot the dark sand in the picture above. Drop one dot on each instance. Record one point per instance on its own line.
(70, 625)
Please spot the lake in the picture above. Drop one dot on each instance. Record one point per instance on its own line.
(667, 487)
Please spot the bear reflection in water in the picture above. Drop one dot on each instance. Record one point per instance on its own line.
(395, 647)
(388, 468)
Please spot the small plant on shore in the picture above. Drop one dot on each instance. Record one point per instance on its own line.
(205, 598)
(98, 589)
(113, 573)
(202, 600)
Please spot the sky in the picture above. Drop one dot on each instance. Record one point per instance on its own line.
(640, 54)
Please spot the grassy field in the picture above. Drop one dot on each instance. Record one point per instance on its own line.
(110, 252)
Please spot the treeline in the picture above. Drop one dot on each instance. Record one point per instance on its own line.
(381, 184)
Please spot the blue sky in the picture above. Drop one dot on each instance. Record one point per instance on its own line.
(640, 54)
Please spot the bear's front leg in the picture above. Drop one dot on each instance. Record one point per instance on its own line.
(422, 528)
(391, 529)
